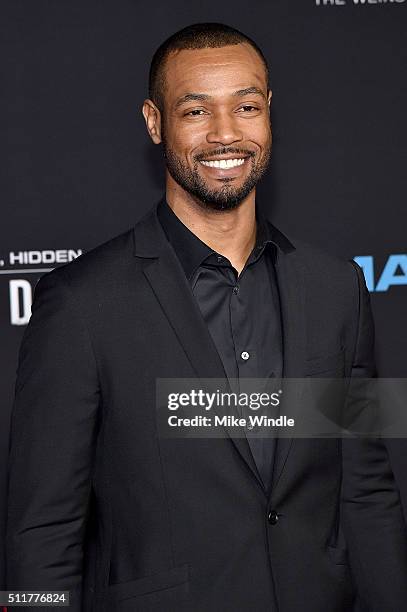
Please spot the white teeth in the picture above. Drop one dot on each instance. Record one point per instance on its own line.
(223, 163)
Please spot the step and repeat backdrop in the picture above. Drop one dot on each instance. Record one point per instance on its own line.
(78, 166)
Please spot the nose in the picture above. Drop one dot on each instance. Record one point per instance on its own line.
(224, 129)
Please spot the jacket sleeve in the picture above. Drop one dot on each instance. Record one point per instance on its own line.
(52, 439)
(372, 517)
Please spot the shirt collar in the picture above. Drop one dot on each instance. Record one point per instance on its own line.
(190, 249)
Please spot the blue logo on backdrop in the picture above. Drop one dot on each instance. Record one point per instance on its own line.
(393, 273)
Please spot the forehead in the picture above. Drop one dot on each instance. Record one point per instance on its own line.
(212, 70)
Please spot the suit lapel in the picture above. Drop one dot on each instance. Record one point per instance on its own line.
(164, 273)
(290, 279)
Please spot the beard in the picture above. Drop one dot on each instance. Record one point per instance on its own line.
(227, 196)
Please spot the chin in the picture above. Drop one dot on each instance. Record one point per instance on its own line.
(217, 203)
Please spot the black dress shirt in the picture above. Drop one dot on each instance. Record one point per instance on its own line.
(241, 310)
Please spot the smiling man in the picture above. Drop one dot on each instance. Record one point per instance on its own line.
(217, 138)
(204, 286)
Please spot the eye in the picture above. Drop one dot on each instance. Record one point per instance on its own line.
(249, 108)
(196, 112)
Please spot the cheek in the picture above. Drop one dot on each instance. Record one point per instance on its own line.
(187, 137)
(258, 133)
(264, 133)
(263, 138)
(191, 140)
(184, 143)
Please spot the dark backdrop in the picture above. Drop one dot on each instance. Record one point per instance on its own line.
(78, 166)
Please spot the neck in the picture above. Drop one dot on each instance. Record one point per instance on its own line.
(232, 233)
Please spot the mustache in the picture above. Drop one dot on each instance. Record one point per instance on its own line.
(223, 151)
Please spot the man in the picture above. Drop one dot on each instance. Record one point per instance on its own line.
(202, 287)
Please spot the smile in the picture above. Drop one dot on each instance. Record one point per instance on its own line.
(224, 163)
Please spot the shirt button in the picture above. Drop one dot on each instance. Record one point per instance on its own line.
(272, 517)
(244, 355)
(236, 289)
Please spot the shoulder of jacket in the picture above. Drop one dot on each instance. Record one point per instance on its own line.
(315, 258)
(97, 263)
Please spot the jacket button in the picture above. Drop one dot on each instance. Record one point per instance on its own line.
(272, 517)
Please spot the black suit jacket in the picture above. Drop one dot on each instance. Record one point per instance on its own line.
(102, 506)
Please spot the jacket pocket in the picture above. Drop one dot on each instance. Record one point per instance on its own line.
(148, 584)
(334, 363)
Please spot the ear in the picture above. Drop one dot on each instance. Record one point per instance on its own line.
(152, 117)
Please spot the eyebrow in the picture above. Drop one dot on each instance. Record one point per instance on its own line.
(240, 93)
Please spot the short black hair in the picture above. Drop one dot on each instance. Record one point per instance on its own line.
(195, 36)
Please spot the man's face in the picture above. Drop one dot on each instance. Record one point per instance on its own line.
(216, 129)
